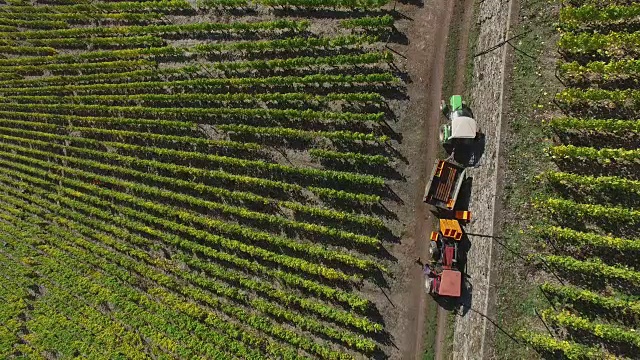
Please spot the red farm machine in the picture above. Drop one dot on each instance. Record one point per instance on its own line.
(444, 277)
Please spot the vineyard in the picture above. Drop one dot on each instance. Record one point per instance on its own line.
(588, 243)
(204, 180)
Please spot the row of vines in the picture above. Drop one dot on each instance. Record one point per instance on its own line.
(589, 243)
(196, 180)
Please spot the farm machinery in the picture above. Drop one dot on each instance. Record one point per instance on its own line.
(461, 127)
(444, 184)
(444, 276)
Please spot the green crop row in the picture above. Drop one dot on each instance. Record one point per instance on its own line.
(601, 184)
(566, 349)
(186, 72)
(564, 237)
(594, 269)
(219, 194)
(603, 157)
(340, 135)
(303, 62)
(239, 212)
(588, 212)
(198, 99)
(594, 126)
(349, 157)
(163, 6)
(133, 135)
(579, 98)
(98, 42)
(9, 76)
(613, 44)
(599, 71)
(194, 29)
(112, 72)
(605, 332)
(104, 219)
(105, 78)
(360, 343)
(96, 56)
(218, 176)
(576, 18)
(86, 253)
(591, 13)
(80, 68)
(201, 115)
(284, 45)
(352, 4)
(598, 3)
(80, 17)
(97, 122)
(209, 85)
(170, 52)
(572, 295)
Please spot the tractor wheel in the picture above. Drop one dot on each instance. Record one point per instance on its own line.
(428, 285)
(434, 251)
(442, 135)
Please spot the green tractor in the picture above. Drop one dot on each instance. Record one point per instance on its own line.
(461, 129)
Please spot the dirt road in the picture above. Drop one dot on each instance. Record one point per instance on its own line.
(426, 27)
(463, 23)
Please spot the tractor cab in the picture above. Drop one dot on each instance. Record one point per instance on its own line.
(462, 127)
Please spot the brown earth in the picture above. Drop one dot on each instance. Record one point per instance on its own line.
(463, 22)
(427, 29)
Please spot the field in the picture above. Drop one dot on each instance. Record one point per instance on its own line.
(578, 254)
(210, 180)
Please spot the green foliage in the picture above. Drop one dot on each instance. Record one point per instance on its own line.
(604, 331)
(352, 4)
(195, 29)
(595, 126)
(567, 349)
(133, 217)
(604, 156)
(601, 184)
(625, 309)
(611, 45)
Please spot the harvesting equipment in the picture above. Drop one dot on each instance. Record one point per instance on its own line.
(444, 185)
(461, 128)
(446, 279)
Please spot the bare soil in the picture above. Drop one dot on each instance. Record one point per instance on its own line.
(463, 22)
(426, 27)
